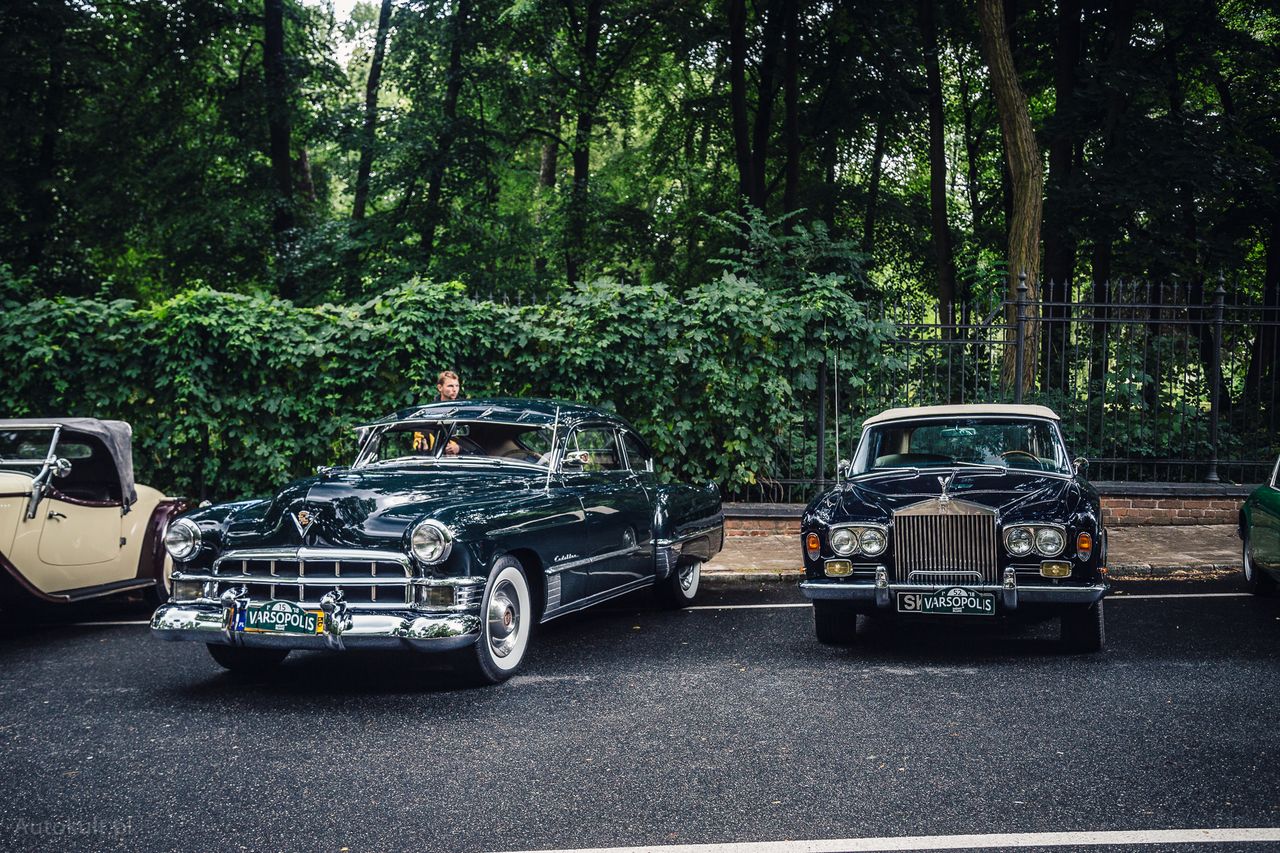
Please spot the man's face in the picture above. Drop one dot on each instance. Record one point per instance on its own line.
(448, 389)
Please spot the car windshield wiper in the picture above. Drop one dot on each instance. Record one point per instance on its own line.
(887, 472)
(980, 467)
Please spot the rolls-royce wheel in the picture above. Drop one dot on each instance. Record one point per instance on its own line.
(835, 623)
(1256, 580)
(1083, 629)
(247, 661)
(507, 615)
(681, 588)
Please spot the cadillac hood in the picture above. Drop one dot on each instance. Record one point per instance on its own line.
(367, 508)
(1015, 496)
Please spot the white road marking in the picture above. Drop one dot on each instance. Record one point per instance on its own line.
(965, 842)
(106, 624)
(1123, 597)
(745, 606)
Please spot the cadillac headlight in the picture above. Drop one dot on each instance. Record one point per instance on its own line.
(182, 539)
(873, 541)
(431, 541)
(843, 541)
(187, 590)
(1019, 541)
(1049, 541)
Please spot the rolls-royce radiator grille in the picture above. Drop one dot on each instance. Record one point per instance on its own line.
(361, 581)
(945, 549)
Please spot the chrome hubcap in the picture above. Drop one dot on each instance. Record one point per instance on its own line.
(689, 576)
(504, 619)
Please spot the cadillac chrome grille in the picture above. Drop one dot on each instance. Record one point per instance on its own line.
(945, 549)
(361, 581)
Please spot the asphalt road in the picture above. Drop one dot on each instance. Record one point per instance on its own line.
(638, 726)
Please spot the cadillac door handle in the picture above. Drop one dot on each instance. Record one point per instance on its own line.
(56, 516)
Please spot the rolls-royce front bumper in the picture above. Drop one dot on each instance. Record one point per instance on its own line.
(1010, 594)
(344, 628)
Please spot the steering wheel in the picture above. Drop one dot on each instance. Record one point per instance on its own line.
(467, 447)
(1031, 456)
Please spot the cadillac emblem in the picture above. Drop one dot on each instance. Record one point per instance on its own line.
(302, 520)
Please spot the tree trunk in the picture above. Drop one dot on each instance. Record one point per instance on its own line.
(1026, 178)
(973, 150)
(278, 130)
(1059, 245)
(873, 190)
(1262, 382)
(765, 94)
(942, 253)
(791, 104)
(587, 97)
(444, 144)
(737, 10)
(44, 201)
(369, 130)
(1121, 27)
(547, 165)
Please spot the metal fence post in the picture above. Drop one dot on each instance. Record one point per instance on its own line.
(820, 477)
(1215, 381)
(1020, 349)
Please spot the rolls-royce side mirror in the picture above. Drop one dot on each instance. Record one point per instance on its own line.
(842, 467)
(61, 467)
(1080, 464)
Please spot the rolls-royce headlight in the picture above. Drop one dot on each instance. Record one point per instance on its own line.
(843, 541)
(873, 541)
(1049, 541)
(182, 539)
(431, 541)
(1019, 541)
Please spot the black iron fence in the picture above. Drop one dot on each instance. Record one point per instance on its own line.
(1172, 382)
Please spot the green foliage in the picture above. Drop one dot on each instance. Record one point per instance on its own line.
(230, 395)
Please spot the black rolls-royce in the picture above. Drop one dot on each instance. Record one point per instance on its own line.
(972, 511)
(459, 526)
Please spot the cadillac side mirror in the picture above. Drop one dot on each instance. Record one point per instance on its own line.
(61, 467)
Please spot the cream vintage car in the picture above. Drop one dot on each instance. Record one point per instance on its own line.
(73, 524)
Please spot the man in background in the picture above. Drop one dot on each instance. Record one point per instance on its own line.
(447, 386)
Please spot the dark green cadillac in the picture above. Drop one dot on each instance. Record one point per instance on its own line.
(458, 527)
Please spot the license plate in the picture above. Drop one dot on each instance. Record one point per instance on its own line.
(279, 617)
(956, 601)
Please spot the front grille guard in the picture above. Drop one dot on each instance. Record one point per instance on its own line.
(305, 576)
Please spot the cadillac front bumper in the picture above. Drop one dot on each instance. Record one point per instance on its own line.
(343, 627)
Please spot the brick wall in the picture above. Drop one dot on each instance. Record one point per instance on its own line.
(1123, 505)
(1121, 511)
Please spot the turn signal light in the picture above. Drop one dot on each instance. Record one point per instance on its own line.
(812, 545)
(839, 568)
(1084, 546)
(1055, 569)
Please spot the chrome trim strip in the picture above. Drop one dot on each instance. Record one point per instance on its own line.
(323, 580)
(586, 561)
(315, 555)
(705, 531)
(632, 586)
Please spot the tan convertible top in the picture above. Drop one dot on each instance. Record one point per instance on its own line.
(967, 410)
